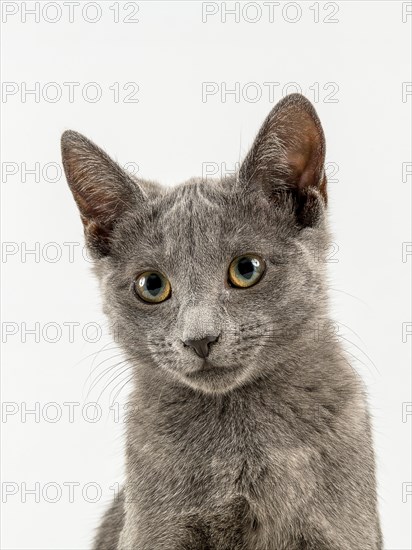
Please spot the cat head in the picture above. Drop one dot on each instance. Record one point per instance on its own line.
(211, 283)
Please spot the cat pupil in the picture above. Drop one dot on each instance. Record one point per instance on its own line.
(154, 284)
(246, 268)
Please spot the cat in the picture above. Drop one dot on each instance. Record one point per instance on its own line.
(249, 429)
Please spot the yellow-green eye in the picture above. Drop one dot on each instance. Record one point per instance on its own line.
(153, 287)
(246, 271)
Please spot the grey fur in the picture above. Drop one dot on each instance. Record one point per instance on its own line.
(271, 449)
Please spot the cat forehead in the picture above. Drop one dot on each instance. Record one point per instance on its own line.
(194, 203)
(198, 215)
(196, 194)
(199, 222)
(189, 214)
(206, 207)
(179, 222)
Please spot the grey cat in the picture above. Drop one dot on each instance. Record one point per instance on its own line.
(249, 429)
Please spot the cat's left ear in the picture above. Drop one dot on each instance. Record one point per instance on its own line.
(103, 191)
(288, 155)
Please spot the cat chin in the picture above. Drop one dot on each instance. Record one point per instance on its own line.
(215, 380)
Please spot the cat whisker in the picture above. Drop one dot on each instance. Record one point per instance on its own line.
(351, 330)
(102, 375)
(95, 353)
(357, 360)
(118, 373)
(358, 348)
(349, 294)
(101, 363)
(125, 382)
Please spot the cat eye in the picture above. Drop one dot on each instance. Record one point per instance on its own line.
(246, 271)
(152, 287)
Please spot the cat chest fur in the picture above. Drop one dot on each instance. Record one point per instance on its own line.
(221, 464)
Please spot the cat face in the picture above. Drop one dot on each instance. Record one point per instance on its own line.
(211, 282)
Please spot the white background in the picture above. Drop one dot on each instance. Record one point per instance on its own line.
(169, 133)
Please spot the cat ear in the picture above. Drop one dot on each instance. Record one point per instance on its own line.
(289, 155)
(102, 190)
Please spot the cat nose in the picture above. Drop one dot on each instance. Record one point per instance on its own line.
(201, 346)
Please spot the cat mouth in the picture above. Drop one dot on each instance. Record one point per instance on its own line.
(209, 369)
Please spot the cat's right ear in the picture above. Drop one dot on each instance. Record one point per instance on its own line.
(103, 191)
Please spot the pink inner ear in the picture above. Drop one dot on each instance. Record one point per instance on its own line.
(303, 168)
(304, 155)
(297, 162)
